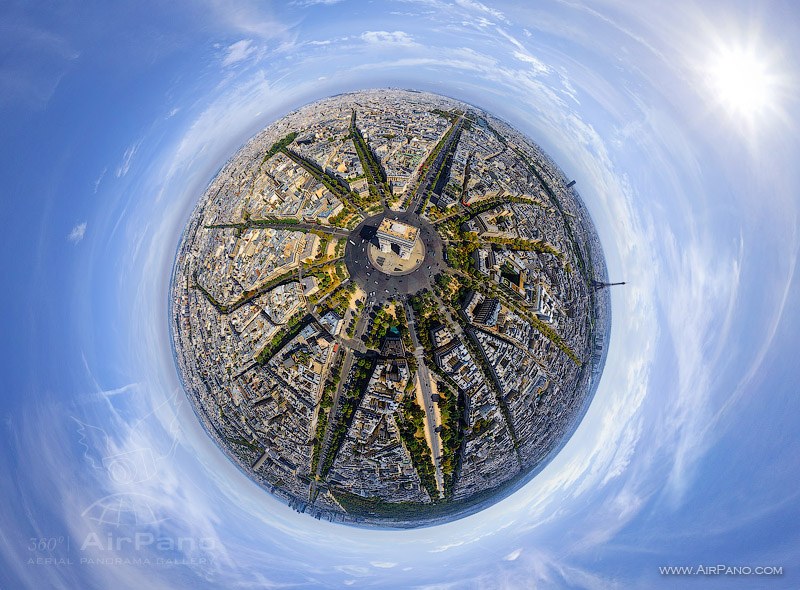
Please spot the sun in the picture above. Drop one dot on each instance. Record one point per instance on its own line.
(741, 80)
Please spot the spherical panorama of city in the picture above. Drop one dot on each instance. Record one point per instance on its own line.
(388, 309)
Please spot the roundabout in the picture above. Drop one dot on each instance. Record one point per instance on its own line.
(383, 275)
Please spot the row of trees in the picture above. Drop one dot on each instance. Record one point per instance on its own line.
(553, 336)
(279, 145)
(376, 175)
(340, 298)
(412, 432)
(459, 256)
(284, 336)
(444, 165)
(402, 324)
(325, 405)
(449, 115)
(452, 226)
(427, 164)
(268, 221)
(489, 376)
(451, 408)
(347, 218)
(444, 168)
(361, 373)
(328, 278)
(525, 245)
(567, 223)
(546, 330)
(379, 327)
(334, 184)
(248, 295)
(424, 308)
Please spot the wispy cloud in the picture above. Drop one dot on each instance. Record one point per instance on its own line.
(702, 273)
(253, 19)
(480, 7)
(99, 179)
(125, 165)
(77, 233)
(238, 52)
(35, 61)
(383, 564)
(388, 38)
(537, 64)
(523, 54)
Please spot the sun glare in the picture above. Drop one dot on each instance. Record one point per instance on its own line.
(741, 81)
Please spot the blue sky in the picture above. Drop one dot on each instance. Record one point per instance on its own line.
(115, 118)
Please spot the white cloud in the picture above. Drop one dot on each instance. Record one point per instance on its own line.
(388, 38)
(447, 546)
(238, 52)
(480, 7)
(77, 233)
(538, 66)
(248, 18)
(522, 54)
(481, 21)
(383, 564)
(42, 58)
(706, 273)
(568, 89)
(99, 180)
(125, 165)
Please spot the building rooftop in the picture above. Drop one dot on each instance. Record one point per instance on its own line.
(397, 229)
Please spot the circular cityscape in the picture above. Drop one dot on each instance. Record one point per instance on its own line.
(388, 309)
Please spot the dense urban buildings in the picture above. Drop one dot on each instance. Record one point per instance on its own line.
(385, 308)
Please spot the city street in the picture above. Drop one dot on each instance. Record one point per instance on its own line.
(427, 395)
